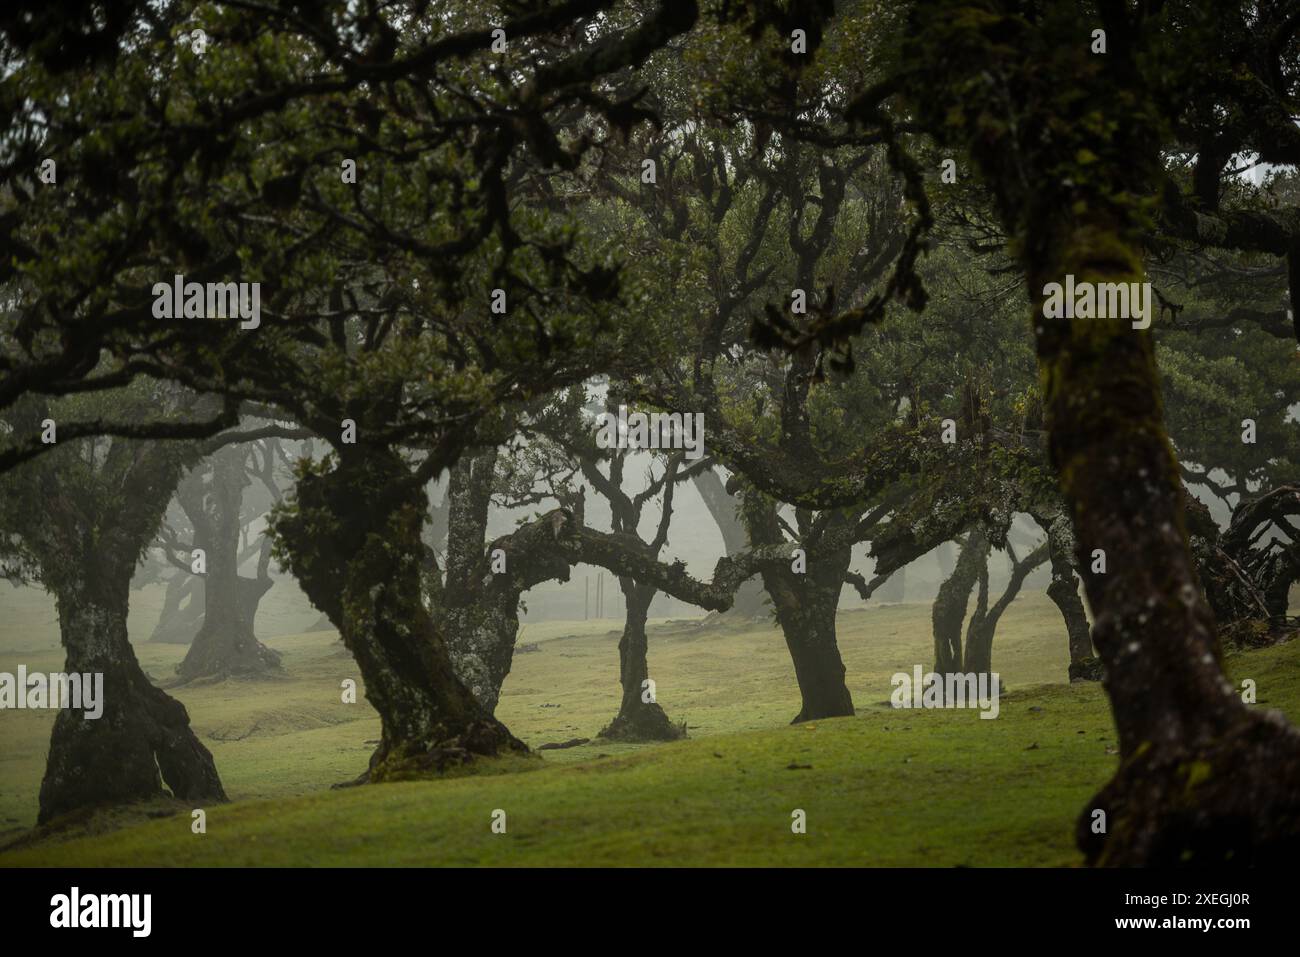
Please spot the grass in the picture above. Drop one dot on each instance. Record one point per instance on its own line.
(913, 788)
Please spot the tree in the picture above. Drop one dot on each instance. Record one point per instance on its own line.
(984, 619)
(1229, 371)
(1067, 140)
(225, 643)
(77, 521)
(230, 124)
(724, 193)
(1203, 777)
(949, 612)
(787, 430)
(572, 443)
(374, 288)
(1064, 592)
(483, 585)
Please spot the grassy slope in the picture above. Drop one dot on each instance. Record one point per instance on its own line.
(885, 787)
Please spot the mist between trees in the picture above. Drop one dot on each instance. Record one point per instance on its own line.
(824, 232)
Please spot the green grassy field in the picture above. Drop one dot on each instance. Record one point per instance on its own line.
(883, 788)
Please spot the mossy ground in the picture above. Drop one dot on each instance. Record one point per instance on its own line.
(912, 788)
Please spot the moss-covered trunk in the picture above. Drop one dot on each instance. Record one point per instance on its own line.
(143, 739)
(481, 637)
(477, 607)
(640, 717)
(480, 624)
(1203, 777)
(948, 615)
(1064, 592)
(353, 541)
(1069, 143)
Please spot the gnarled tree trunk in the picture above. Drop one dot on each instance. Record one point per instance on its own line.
(100, 504)
(978, 653)
(480, 633)
(143, 737)
(478, 606)
(1203, 778)
(640, 718)
(949, 612)
(1064, 592)
(809, 626)
(805, 609)
(353, 542)
(984, 621)
(805, 603)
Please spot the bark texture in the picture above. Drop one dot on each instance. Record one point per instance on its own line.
(1064, 592)
(143, 738)
(949, 612)
(353, 540)
(479, 603)
(84, 514)
(1203, 777)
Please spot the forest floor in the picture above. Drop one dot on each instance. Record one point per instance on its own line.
(887, 787)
